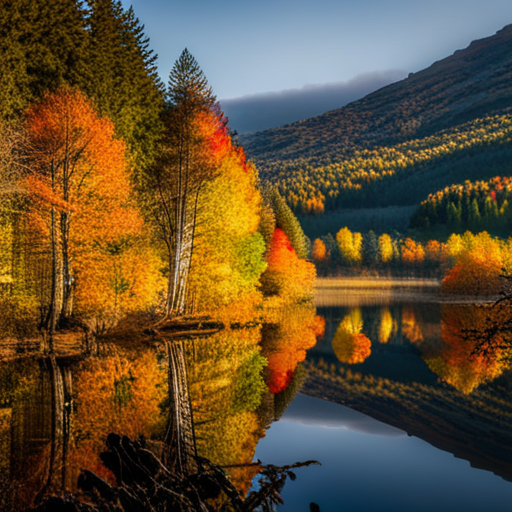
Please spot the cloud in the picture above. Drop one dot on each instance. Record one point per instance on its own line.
(268, 110)
(315, 412)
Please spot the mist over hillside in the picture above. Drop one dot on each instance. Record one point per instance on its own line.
(268, 110)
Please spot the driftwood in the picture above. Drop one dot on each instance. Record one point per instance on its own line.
(144, 484)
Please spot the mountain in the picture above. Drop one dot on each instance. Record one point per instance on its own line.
(447, 123)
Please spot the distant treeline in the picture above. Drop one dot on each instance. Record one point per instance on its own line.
(469, 206)
(469, 264)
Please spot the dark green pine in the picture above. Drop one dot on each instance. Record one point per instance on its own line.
(42, 47)
(123, 78)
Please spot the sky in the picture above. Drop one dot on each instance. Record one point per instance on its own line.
(250, 50)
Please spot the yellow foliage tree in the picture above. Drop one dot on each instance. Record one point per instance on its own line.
(350, 245)
(385, 248)
(228, 256)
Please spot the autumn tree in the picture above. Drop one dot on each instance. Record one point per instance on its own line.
(81, 211)
(287, 276)
(477, 268)
(228, 256)
(319, 251)
(186, 164)
(385, 248)
(350, 245)
(11, 140)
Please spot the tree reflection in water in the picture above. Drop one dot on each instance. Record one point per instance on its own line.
(473, 350)
(57, 421)
(349, 344)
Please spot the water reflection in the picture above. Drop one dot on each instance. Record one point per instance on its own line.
(349, 344)
(441, 372)
(211, 396)
(460, 344)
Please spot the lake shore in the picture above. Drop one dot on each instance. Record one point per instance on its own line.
(365, 291)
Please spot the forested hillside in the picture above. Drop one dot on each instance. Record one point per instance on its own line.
(472, 205)
(445, 124)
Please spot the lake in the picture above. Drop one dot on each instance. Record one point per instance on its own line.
(394, 394)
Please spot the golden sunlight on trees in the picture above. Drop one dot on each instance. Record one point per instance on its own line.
(349, 344)
(287, 276)
(81, 215)
(477, 268)
(385, 248)
(228, 256)
(350, 246)
(412, 252)
(193, 144)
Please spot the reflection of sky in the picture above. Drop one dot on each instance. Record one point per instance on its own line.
(313, 412)
(363, 472)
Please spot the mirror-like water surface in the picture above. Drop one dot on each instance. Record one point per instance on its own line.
(402, 403)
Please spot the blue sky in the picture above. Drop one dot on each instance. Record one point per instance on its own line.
(253, 47)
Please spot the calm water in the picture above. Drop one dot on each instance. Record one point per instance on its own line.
(444, 439)
(404, 412)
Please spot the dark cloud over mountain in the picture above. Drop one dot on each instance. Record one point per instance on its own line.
(269, 110)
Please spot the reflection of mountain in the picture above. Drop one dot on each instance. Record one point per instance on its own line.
(395, 385)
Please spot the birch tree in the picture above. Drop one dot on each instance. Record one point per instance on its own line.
(188, 160)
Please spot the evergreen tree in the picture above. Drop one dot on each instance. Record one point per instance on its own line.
(42, 47)
(474, 217)
(286, 220)
(122, 76)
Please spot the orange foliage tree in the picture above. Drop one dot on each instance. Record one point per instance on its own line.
(319, 250)
(287, 276)
(81, 211)
(477, 268)
(412, 252)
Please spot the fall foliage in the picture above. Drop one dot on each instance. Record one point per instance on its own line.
(81, 216)
(286, 275)
(461, 361)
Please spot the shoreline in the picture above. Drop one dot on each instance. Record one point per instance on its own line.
(374, 291)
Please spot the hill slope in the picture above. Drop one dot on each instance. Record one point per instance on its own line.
(463, 99)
